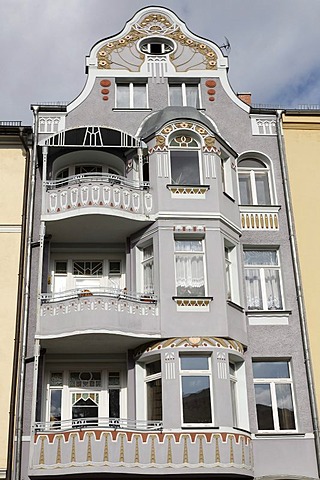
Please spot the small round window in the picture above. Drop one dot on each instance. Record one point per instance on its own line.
(156, 46)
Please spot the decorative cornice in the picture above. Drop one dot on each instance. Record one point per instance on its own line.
(193, 342)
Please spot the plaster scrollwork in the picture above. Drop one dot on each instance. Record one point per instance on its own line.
(124, 53)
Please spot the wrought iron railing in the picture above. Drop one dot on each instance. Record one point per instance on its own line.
(96, 177)
(101, 422)
(120, 294)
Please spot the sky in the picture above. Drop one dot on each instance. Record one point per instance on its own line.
(274, 46)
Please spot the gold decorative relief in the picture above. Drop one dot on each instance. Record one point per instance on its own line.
(41, 457)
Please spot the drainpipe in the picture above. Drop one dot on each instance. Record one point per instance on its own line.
(24, 325)
(16, 350)
(301, 306)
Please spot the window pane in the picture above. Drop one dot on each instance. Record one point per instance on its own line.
(245, 189)
(55, 405)
(175, 95)
(192, 94)
(123, 96)
(61, 267)
(251, 163)
(114, 403)
(272, 279)
(233, 386)
(153, 367)
(285, 407)
(190, 275)
(253, 289)
(194, 362)
(264, 408)
(260, 257)
(188, 245)
(271, 370)
(196, 399)
(139, 96)
(262, 188)
(185, 167)
(56, 379)
(154, 400)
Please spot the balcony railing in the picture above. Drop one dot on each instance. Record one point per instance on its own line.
(100, 191)
(96, 177)
(101, 422)
(99, 291)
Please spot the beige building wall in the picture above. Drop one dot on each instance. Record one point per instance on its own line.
(12, 169)
(302, 143)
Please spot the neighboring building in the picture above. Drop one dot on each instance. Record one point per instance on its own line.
(164, 332)
(301, 131)
(14, 160)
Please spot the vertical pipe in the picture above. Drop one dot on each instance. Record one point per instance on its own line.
(300, 300)
(24, 325)
(21, 277)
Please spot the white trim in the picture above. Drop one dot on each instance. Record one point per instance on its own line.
(10, 228)
(274, 318)
(104, 331)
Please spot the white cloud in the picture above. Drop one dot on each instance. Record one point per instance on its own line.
(44, 43)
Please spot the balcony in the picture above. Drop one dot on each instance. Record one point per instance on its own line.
(137, 447)
(259, 217)
(98, 309)
(97, 193)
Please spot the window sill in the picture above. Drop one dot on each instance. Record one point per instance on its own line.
(273, 433)
(235, 305)
(268, 317)
(192, 304)
(188, 191)
(132, 109)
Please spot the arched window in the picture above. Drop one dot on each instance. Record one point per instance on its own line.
(254, 182)
(185, 160)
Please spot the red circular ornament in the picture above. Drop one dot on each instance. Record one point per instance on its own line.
(211, 91)
(105, 83)
(105, 91)
(210, 83)
(105, 98)
(211, 99)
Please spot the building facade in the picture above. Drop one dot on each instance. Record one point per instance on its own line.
(301, 131)
(14, 161)
(164, 335)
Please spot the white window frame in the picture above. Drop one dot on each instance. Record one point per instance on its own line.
(188, 238)
(234, 392)
(144, 263)
(105, 278)
(252, 175)
(197, 373)
(262, 269)
(103, 390)
(273, 382)
(183, 86)
(226, 176)
(186, 148)
(131, 86)
(232, 272)
(148, 379)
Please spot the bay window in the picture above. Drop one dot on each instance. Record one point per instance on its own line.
(189, 268)
(185, 160)
(254, 182)
(273, 394)
(131, 95)
(196, 391)
(263, 281)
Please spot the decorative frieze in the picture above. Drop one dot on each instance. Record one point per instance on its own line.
(141, 450)
(259, 220)
(73, 197)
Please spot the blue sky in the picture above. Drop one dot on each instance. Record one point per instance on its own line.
(274, 46)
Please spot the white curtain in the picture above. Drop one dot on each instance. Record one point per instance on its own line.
(253, 289)
(190, 275)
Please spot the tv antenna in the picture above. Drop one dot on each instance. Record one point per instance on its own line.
(226, 46)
